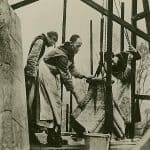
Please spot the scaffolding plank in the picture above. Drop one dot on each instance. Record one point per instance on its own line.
(65, 147)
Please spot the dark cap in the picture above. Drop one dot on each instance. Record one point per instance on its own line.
(106, 55)
(53, 34)
(74, 37)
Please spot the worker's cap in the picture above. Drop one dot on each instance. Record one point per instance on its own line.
(106, 55)
(53, 34)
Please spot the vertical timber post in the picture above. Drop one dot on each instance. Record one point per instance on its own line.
(70, 128)
(91, 47)
(108, 101)
(63, 40)
(101, 34)
(122, 29)
(147, 17)
(133, 70)
(67, 112)
(64, 22)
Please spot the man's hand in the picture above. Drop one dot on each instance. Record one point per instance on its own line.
(88, 77)
(131, 48)
(81, 104)
(134, 52)
(130, 56)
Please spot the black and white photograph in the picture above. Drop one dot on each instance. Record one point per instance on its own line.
(74, 74)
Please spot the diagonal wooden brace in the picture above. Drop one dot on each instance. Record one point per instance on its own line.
(117, 19)
(23, 3)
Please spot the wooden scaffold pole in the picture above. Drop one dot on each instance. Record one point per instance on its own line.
(117, 19)
(64, 22)
(122, 28)
(133, 42)
(91, 47)
(108, 101)
(63, 40)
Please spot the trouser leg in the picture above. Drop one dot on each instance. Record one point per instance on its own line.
(30, 87)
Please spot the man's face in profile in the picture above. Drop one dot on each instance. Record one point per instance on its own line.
(76, 45)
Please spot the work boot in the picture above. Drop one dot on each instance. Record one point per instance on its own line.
(33, 139)
(58, 137)
(128, 130)
(51, 137)
(54, 138)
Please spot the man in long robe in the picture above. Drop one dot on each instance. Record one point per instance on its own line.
(35, 54)
(59, 61)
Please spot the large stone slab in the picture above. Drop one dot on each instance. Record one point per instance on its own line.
(91, 116)
(13, 108)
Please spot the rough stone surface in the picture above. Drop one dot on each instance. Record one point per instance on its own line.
(13, 111)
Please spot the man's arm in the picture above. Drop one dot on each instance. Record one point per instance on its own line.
(62, 66)
(37, 46)
(33, 58)
(126, 75)
(74, 72)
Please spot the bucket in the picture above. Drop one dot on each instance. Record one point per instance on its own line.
(97, 141)
(139, 129)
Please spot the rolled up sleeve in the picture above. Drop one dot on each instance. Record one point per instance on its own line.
(62, 66)
(124, 76)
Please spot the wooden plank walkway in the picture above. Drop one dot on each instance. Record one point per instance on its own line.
(123, 144)
(65, 147)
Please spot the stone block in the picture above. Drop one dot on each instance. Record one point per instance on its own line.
(13, 107)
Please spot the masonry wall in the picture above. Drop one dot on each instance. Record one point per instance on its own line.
(13, 109)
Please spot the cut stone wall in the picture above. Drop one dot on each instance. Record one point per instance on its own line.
(13, 108)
